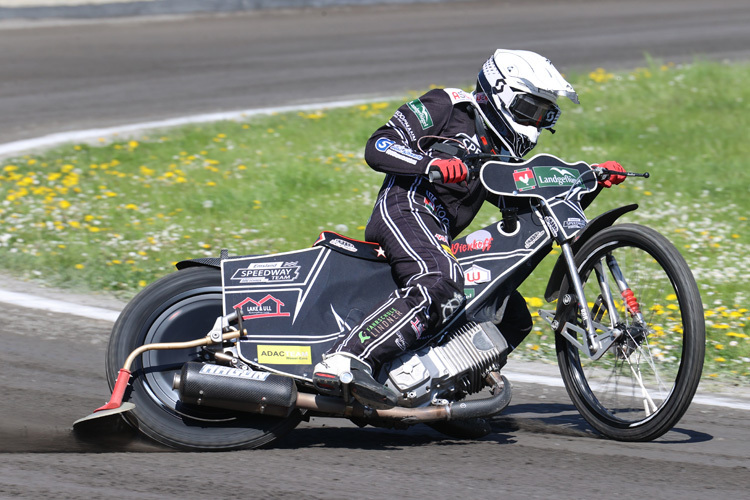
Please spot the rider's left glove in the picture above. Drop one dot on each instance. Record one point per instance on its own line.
(611, 178)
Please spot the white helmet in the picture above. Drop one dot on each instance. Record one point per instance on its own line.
(516, 94)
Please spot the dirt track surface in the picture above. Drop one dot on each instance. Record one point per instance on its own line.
(52, 373)
(71, 76)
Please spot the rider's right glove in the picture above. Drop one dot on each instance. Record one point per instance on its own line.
(611, 178)
(452, 170)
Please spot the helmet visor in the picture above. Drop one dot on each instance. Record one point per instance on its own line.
(530, 110)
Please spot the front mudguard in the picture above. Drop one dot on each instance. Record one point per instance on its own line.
(594, 226)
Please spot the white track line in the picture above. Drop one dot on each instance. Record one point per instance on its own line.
(46, 141)
(58, 306)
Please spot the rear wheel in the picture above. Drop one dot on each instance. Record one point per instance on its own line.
(180, 307)
(640, 388)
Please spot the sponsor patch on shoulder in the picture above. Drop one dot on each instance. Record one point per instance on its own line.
(421, 112)
(458, 95)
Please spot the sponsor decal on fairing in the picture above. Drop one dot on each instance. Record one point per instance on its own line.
(478, 240)
(476, 274)
(556, 176)
(574, 223)
(267, 307)
(267, 272)
(343, 244)
(533, 239)
(285, 354)
(524, 179)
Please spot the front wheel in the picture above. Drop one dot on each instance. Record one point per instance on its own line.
(641, 387)
(180, 307)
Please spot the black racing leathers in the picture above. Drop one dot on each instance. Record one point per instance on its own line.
(415, 221)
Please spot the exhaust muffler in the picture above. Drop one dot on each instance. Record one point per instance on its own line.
(234, 389)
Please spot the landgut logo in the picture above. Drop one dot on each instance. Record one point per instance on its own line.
(556, 176)
(425, 120)
(524, 179)
(284, 354)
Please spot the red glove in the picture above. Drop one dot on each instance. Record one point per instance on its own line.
(613, 178)
(452, 170)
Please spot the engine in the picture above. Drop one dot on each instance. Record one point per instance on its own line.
(455, 367)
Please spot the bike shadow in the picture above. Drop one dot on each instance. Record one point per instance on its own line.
(564, 419)
(376, 439)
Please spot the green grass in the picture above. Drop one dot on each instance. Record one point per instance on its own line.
(116, 215)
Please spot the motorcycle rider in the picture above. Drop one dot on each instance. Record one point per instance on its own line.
(415, 220)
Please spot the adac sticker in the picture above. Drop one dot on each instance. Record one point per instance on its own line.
(284, 354)
(524, 179)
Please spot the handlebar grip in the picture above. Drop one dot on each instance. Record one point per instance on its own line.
(434, 176)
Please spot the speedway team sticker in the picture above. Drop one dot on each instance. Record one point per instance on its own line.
(284, 354)
(267, 272)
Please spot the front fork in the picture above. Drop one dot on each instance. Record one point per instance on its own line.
(595, 345)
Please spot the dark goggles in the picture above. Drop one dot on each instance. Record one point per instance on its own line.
(530, 110)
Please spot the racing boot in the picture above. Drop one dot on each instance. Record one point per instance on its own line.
(363, 386)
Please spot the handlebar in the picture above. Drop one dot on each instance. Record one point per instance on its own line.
(604, 173)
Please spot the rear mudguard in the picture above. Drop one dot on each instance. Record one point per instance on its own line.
(594, 226)
(204, 261)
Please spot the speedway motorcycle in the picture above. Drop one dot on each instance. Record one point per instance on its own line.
(219, 355)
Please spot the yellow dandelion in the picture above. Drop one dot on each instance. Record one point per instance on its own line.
(534, 302)
(600, 75)
(79, 266)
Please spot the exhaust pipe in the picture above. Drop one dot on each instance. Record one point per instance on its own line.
(458, 410)
(276, 395)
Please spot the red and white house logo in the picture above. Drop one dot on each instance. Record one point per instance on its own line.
(475, 275)
(267, 307)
